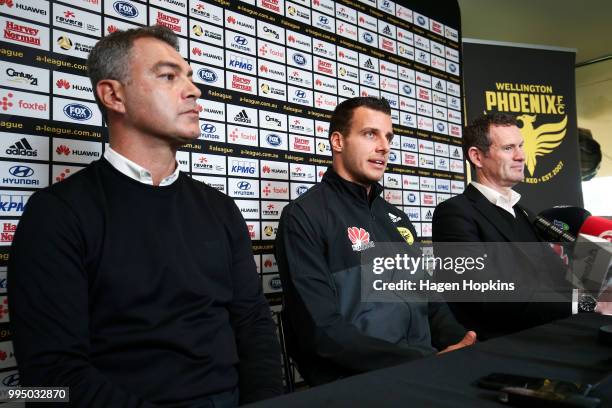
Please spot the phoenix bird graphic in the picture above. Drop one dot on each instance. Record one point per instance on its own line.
(541, 140)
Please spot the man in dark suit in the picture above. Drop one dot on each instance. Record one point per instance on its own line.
(488, 211)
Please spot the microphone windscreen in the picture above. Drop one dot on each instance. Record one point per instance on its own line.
(598, 226)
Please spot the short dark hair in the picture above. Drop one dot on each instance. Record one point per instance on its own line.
(476, 134)
(110, 57)
(343, 114)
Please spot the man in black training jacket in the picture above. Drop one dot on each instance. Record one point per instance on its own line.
(321, 236)
(131, 283)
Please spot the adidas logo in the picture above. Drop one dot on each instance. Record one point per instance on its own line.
(242, 117)
(394, 218)
(387, 30)
(439, 86)
(22, 148)
(369, 64)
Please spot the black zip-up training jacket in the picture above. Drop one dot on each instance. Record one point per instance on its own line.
(330, 332)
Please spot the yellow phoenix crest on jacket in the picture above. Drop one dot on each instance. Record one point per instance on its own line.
(541, 140)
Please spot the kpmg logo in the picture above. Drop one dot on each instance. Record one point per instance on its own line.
(208, 128)
(125, 9)
(367, 37)
(77, 111)
(300, 94)
(207, 75)
(240, 40)
(21, 171)
(299, 59)
(244, 186)
(275, 283)
(273, 139)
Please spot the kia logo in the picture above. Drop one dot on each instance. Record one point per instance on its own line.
(77, 111)
(21, 171)
(244, 185)
(300, 94)
(367, 37)
(208, 128)
(125, 9)
(421, 20)
(299, 59)
(207, 75)
(273, 139)
(240, 40)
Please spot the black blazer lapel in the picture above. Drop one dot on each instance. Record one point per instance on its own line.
(488, 211)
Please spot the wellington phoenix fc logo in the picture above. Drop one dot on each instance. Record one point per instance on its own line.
(541, 140)
(360, 238)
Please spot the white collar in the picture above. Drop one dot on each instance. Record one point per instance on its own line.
(497, 198)
(134, 171)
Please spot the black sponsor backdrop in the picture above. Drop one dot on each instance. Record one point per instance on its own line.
(508, 69)
(443, 29)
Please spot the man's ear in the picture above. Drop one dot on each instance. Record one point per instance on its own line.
(476, 155)
(337, 142)
(110, 93)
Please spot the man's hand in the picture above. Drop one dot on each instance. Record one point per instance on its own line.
(468, 340)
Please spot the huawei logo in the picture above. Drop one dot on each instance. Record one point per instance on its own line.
(62, 149)
(62, 83)
(360, 239)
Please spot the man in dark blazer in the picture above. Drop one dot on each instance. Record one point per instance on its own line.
(488, 211)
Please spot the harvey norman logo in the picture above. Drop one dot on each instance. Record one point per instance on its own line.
(21, 33)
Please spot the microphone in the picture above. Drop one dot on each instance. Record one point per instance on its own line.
(549, 231)
(568, 218)
(597, 226)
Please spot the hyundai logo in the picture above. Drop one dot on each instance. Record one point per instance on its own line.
(299, 59)
(208, 128)
(207, 75)
(21, 171)
(392, 156)
(240, 40)
(421, 20)
(244, 185)
(125, 9)
(273, 139)
(367, 37)
(77, 111)
(11, 380)
(323, 20)
(407, 89)
(369, 77)
(300, 94)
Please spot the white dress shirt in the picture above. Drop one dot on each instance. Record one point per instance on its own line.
(498, 199)
(134, 171)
